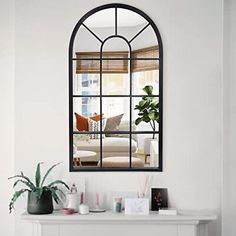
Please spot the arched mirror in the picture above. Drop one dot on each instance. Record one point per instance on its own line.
(115, 91)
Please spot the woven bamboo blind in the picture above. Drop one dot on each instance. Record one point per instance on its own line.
(145, 65)
(91, 62)
(108, 66)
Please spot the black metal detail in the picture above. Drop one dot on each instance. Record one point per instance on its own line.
(71, 96)
(115, 20)
(139, 32)
(116, 59)
(111, 96)
(92, 32)
(116, 132)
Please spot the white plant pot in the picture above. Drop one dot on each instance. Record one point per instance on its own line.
(146, 147)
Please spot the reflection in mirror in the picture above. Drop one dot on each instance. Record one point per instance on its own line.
(85, 41)
(115, 151)
(141, 111)
(147, 150)
(102, 23)
(129, 23)
(115, 95)
(86, 106)
(86, 152)
(145, 40)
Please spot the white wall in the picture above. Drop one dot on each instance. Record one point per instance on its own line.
(192, 38)
(229, 158)
(7, 113)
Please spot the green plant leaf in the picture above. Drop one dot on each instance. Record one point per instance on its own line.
(153, 115)
(38, 175)
(22, 181)
(30, 184)
(138, 120)
(148, 90)
(47, 173)
(56, 182)
(54, 195)
(142, 104)
(16, 195)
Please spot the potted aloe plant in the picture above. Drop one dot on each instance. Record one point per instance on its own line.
(148, 112)
(40, 195)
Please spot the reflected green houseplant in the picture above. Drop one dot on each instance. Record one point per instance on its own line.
(148, 109)
(39, 195)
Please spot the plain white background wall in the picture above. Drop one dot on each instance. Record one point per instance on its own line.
(192, 38)
(7, 113)
(229, 159)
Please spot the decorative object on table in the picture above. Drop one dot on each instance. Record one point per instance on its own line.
(97, 208)
(159, 199)
(148, 112)
(83, 208)
(144, 183)
(39, 195)
(140, 205)
(168, 211)
(117, 204)
(136, 206)
(120, 194)
(73, 198)
(68, 211)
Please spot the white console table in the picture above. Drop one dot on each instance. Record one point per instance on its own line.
(108, 223)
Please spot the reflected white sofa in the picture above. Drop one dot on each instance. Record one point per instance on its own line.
(111, 146)
(118, 145)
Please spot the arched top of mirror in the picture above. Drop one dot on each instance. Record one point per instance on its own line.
(115, 20)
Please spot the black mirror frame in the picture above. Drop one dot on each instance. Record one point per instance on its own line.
(154, 27)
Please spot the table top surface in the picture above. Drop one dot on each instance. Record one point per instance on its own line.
(110, 217)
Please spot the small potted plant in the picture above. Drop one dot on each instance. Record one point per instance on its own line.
(39, 195)
(148, 112)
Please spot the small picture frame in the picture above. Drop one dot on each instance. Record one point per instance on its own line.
(159, 198)
(136, 206)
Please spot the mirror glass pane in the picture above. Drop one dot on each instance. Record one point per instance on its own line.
(86, 82)
(102, 23)
(145, 39)
(86, 106)
(85, 41)
(116, 111)
(86, 152)
(146, 73)
(129, 23)
(142, 109)
(115, 149)
(147, 151)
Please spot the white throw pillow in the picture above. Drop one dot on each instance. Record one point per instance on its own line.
(95, 126)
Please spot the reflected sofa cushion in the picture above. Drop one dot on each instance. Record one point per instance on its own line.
(82, 122)
(119, 161)
(109, 144)
(113, 124)
(95, 127)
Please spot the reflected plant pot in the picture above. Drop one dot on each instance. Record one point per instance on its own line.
(146, 147)
(36, 206)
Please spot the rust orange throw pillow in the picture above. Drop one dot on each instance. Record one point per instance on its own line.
(82, 122)
(95, 118)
